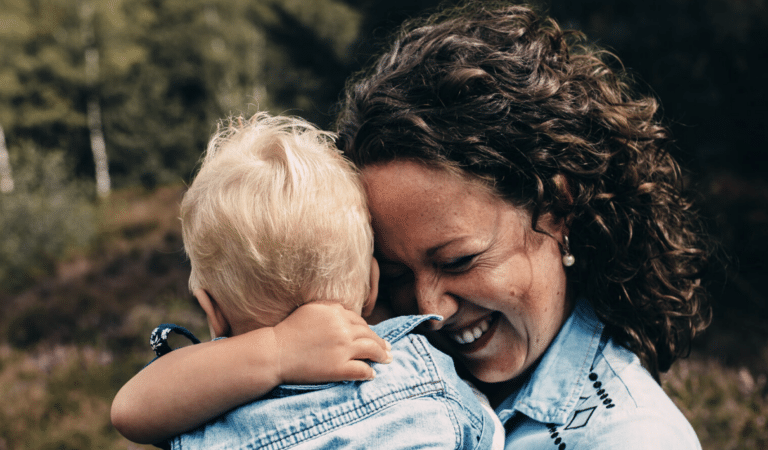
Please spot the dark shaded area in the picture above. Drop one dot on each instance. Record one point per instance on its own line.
(706, 63)
(93, 309)
(308, 53)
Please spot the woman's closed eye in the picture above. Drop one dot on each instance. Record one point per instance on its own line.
(458, 264)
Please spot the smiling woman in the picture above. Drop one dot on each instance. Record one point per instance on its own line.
(447, 246)
(520, 188)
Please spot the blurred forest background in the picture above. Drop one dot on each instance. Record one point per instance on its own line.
(106, 106)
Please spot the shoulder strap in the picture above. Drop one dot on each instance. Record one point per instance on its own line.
(159, 337)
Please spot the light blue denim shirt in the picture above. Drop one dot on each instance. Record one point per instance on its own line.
(590, 393)
(415, 402)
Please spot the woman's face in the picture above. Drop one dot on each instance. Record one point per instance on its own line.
(447, 246)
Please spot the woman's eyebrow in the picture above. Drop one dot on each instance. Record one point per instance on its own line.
(377, 252)
(432, 250)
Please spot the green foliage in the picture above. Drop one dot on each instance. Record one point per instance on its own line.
(59, 398)
(168, 71)
(46, 217)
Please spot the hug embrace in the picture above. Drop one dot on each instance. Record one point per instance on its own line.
(500, 200)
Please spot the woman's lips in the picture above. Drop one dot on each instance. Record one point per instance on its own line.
(475, 336)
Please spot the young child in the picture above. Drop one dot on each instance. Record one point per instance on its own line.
(277, 231)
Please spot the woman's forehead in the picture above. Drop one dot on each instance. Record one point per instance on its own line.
(406, 187)
(423, 176)
(418, 209)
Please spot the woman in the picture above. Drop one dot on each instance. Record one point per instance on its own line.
(520, 189)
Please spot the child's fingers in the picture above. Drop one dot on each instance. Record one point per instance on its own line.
(365, 332)
(358, 371)
(372, 350)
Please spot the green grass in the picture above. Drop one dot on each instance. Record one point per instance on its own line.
(59, 398)
(727, 407)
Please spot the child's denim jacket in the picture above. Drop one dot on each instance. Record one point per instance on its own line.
(416, 401)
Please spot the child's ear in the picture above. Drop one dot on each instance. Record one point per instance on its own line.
(217, 322)
(370, 303)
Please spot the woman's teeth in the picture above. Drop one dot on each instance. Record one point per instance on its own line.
(470, 335)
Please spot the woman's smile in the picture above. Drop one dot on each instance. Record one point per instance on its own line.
(471, 334)
(449, 246)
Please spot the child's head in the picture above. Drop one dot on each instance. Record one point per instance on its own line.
(275, 218)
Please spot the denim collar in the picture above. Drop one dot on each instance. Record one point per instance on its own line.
(554, 388)
(395, 328)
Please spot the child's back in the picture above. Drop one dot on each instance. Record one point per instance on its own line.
(416, 401)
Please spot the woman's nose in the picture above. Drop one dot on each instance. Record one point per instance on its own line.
(432, 298)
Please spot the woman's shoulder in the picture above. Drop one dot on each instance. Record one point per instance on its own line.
(616, 405)
(629, 408)
(589, 392)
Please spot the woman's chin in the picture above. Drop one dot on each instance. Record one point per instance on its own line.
(497, 358)
(486, 374)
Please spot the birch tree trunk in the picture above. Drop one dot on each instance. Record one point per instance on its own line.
(6, 178)
(98, 147)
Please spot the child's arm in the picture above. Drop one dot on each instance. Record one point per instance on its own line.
(187, 387)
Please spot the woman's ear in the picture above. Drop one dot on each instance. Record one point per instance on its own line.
(217, 322)
(370, 303)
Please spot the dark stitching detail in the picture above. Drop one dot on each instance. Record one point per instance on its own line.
(556, 438)
(601, 393)
(581, 418)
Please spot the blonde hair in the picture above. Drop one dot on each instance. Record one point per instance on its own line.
(276, 218)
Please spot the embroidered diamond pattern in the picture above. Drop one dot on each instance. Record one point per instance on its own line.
(580, 418)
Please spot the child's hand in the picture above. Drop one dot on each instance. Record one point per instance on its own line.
(323, 342)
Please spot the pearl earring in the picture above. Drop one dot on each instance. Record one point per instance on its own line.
(568, 258)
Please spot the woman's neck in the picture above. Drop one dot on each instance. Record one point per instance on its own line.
(498, 392)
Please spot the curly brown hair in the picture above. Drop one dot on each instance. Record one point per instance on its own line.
(504, 95)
